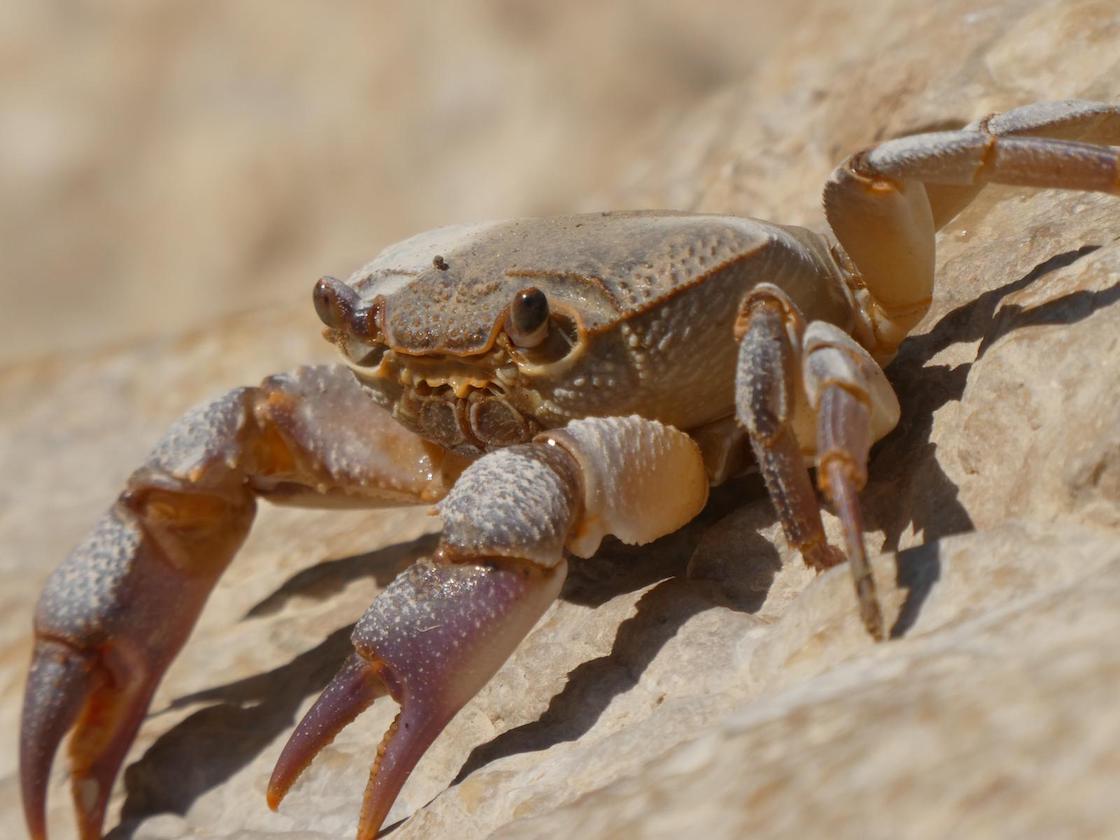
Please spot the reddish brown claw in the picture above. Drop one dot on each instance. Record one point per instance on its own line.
(353, 689)
(102, 696)
(110, 620)
(431, 640)
(56, 691)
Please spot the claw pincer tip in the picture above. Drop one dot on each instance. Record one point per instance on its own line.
(352, 690)
(57, 687)
(431, 640)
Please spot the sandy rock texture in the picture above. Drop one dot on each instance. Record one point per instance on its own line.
(709, 682)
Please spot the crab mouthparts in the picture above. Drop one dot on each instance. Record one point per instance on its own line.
(460, 386)
(464, 411)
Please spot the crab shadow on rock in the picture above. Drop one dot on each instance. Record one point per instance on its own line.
(212, 744)
(908, 487)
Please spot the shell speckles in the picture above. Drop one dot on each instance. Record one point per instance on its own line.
(85, 588)
(602, 267)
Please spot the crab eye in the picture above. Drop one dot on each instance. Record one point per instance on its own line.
(527, 324)
(335, 302)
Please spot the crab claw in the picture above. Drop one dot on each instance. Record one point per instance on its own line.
(104, 702)
(431, 640)
(57, 687)
(109, 622)
(438, 633)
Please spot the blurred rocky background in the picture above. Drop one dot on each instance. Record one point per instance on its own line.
(166, 163)
(173, 178)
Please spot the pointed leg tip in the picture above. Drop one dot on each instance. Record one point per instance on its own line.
(278, 786)
(376, 804)
(875, 628)
(368, 832)
(36, 822)
(281, 781)
(870, 611)
(58, 686)
(35, 809)
(274, 797)
(352, 690)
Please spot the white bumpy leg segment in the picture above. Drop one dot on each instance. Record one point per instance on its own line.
(641, 479)
(635, 478)
(517, 502)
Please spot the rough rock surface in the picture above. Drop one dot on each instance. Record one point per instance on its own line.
(708, 683)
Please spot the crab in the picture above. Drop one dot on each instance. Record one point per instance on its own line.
(544, 382)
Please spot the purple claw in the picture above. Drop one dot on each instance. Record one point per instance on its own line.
(431, 640)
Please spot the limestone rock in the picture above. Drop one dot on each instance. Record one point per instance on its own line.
(991, 718)
(709, 682)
